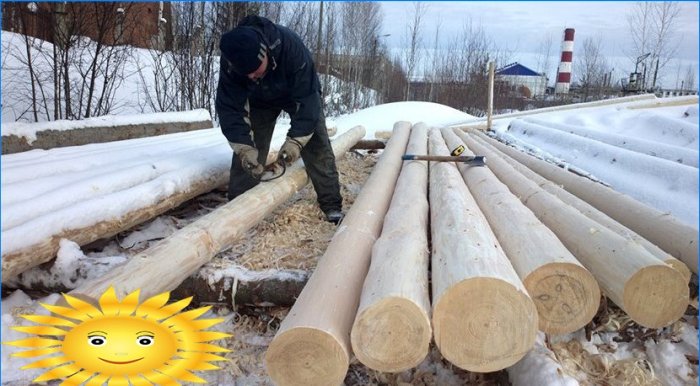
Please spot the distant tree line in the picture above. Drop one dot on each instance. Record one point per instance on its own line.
(76, 77)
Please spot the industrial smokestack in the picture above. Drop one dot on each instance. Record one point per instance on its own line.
(567, 54)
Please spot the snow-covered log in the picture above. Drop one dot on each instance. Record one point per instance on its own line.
(604, 102)
(392, 332)
(677, 154)
(565, 293)
(190, 247)
(312, 346)
(651, 292)
(18, 136)
(483, 318)
(590, 211)
(662, 229)
(665, 102)
(18, 260)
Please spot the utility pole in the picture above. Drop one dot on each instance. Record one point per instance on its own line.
(489, 112)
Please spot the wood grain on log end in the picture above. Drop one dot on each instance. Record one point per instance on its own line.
(655, 296)
(306, 356)
(484, 324)
(392, 335)
(566, 296)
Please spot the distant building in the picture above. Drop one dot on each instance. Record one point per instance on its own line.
(141, 24)
(522, 80)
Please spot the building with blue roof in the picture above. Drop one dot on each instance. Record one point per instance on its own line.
(522, 80)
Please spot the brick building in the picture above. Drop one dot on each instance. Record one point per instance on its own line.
(144, 24)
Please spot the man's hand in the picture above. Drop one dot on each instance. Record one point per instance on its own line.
(291, 149)
(249, 159)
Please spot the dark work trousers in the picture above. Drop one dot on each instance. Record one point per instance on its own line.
(317, 155)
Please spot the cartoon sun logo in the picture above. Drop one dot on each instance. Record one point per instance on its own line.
(121, 343)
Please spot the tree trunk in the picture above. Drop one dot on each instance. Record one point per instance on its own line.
(483, 318)
(392, 332)
(312, 346)
(565, 293)
(652, 293)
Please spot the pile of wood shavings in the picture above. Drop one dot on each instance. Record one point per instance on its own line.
(296, 234)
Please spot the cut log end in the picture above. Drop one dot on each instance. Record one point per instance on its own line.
(681, 268)
(566, 296)
(391, 335)
(655, 296)
(484, 324)
(306, 356)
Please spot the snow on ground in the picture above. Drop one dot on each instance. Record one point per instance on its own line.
(383, 117)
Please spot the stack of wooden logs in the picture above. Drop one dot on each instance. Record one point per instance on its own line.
(510, 253)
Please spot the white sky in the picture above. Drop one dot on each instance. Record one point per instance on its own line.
(521, 26)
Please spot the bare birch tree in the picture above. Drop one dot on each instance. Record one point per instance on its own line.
(653, 28)
(414, 41)
(591, 67)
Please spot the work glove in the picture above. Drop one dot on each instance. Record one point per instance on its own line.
(291, 149)
(249, 159)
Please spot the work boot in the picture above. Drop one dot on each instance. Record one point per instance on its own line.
(335, 216)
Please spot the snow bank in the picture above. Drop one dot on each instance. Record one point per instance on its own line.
(383, 117)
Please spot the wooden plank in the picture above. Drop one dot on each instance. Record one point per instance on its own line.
(565, 293)
(483, 318)
(392, 332)
(312, 346)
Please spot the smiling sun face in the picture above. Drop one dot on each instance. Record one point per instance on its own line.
(120, 345)
(121, 342)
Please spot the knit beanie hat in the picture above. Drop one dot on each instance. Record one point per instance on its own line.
(243, 48)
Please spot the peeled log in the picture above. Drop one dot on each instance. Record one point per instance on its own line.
(312, 346)
(590, 211)
(565, 293)
(483, 318)
(185, 251)
(662, 229)
(651, 292)
(392, 329)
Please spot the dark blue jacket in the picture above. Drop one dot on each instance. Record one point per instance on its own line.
(291, 84)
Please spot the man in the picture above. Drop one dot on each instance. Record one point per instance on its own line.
(265, 68)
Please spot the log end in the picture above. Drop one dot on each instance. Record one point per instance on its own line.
(391, 335)
(566, 295)
(484, 324)
(306, 356)
(655, 296)
(680, 267)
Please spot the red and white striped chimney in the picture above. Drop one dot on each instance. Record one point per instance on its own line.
(567, 54)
